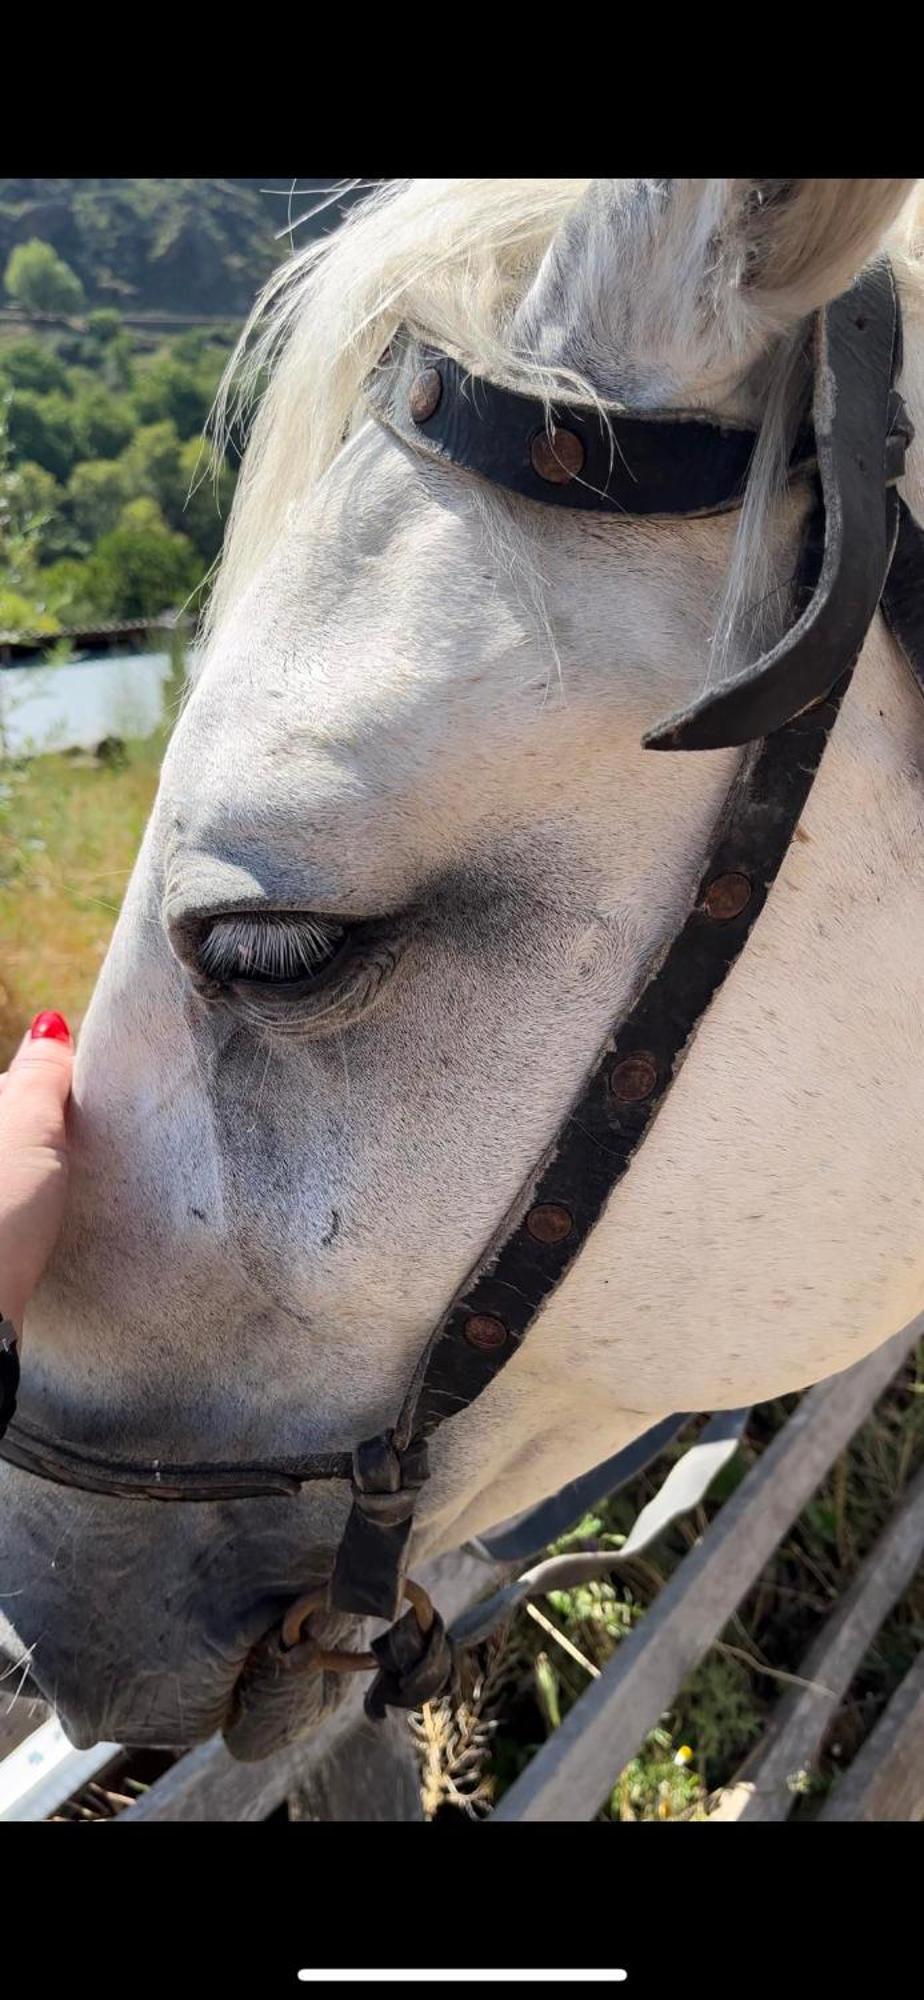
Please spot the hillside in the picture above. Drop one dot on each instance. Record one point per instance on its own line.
(108, 368)
(169, 246)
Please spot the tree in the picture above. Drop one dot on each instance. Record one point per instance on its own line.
(41, 428)
(208, 499)
(35, 512)
(104, 325)
(18, 614)
(71, 593)
(32, 364)
(153, 466)
(40, 281)
(175, 391)
(104, 424)
(20, 526)
(96, 494)
(138, 572)
(145, 514)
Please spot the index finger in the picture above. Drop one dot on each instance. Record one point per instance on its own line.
(35, 1091)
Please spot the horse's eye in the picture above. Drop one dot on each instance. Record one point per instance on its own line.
(271, 950)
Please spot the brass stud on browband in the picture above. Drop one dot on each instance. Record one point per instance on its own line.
(425, 393)
(726, 897)
(549, 1222)
(485, 1331)
(557, 456)
(634, 1078)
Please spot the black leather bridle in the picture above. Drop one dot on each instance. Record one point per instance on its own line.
(861, 549)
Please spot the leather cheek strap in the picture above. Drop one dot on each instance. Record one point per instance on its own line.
(861, 431)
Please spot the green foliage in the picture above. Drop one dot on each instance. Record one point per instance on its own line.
(104, 325)
(100, 516)
(97, 491)
(656, 1786)
(71, 592)
(207, 499)
(138, 571)
(188, 246)
(144, 513)
(174, 390)
(39, 280)
(32, 364)
(109, 503)
(19, 614)
(153, 466)
(41, 428)
(36, 492)
(103, 423)
(35, 505)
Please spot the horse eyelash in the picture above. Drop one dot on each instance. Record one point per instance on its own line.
(276, 948)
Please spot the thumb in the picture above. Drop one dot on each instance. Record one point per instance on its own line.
(36, 1087)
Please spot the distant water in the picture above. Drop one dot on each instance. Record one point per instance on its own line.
(78, 705)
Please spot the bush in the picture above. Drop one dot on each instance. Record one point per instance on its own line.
(96, 494)
(104, 423)
(70, 593)
(41, 428)
(144, 513)
(29, 364)
(36, 512)
(40, 281)
(18, 614)
(172, 391)
(138, 572)
(153, 466)
(104, 325)
(207, 501)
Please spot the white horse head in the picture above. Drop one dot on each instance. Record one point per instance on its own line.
(407, 865)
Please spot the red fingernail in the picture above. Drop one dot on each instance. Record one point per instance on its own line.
(49, 1028)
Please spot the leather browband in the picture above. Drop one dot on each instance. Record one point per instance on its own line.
(681, 463)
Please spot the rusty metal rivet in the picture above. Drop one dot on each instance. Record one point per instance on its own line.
(557, 457)
(634, 1078)
(726, 897)
(483, 1330)
(549, 1222)
(425, 392)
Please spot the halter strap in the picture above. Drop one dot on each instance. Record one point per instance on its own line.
(158, 1479)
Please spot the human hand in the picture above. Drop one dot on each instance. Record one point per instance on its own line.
(33, 1158)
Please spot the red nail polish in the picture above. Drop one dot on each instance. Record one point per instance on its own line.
(50, 1028)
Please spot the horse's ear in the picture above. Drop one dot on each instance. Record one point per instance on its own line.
(659, 290)
(803, 242)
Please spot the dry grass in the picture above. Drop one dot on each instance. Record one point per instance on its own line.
(538, 1670)
(69, 833)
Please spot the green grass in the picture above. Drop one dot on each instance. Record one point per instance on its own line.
(69, 832)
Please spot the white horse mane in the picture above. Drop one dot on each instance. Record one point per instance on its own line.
(453, 259)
